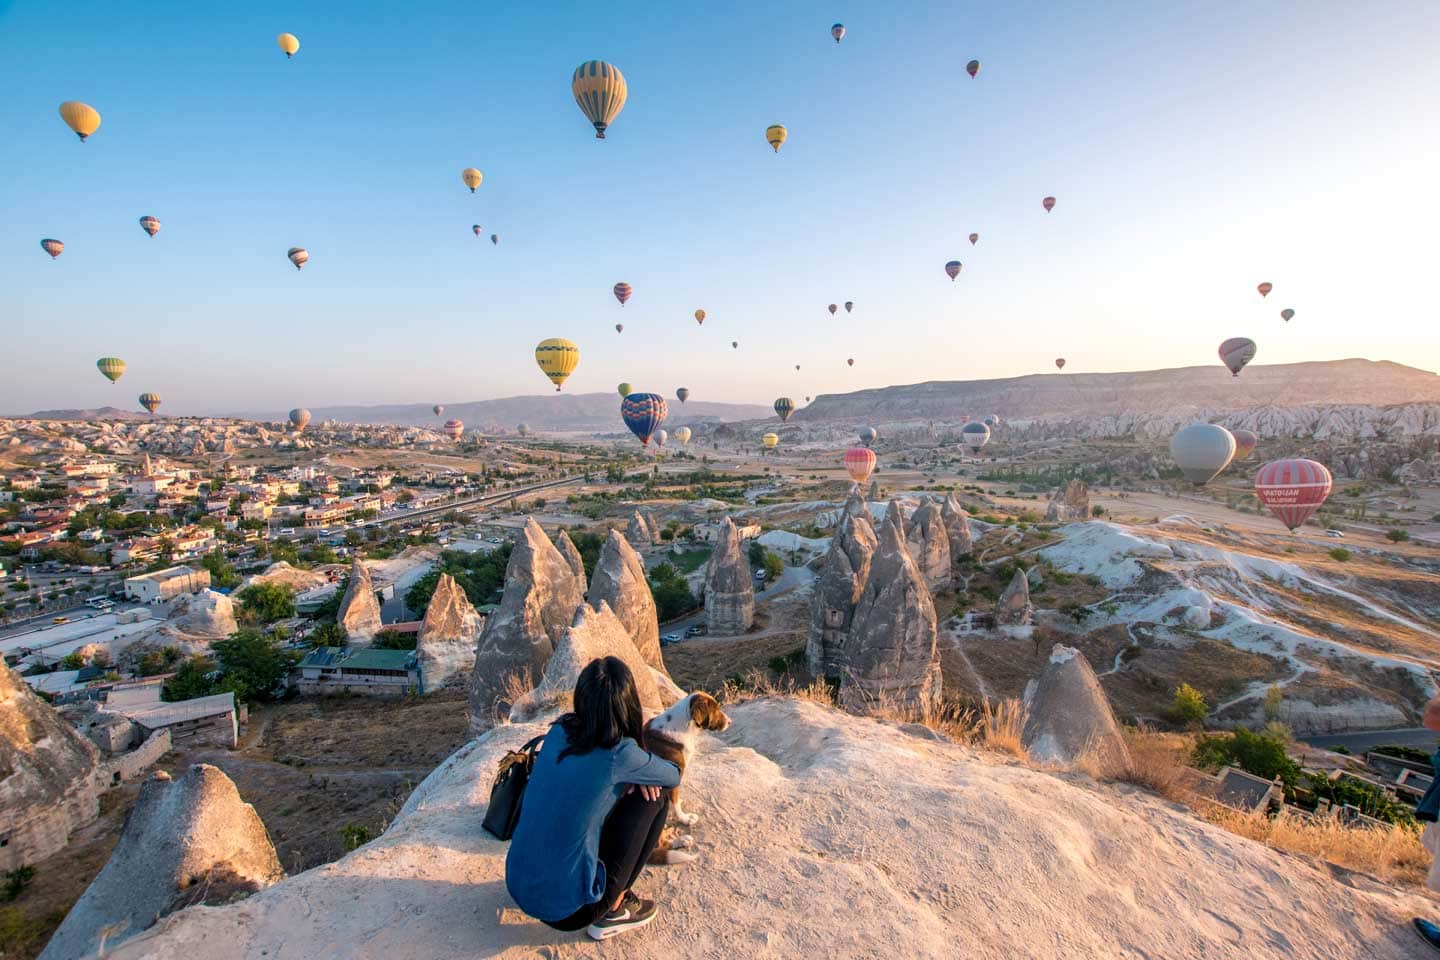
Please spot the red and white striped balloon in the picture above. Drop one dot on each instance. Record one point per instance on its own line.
(859, 463)
(1293, 489)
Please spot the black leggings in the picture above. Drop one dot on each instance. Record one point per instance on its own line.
(626, 841)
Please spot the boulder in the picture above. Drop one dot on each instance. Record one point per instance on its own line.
(929, 545)
(541, 594)
(638, 532)
(729, 586)
(957, 525)
(1069, 504)
(201, 617)
(187, 841)
(596, 632)
(842, 580)
(1068, 716)
(619, 581)
(445, 648)
(1014, 609)
(359, 610)
(571, 553)
(895, 515)
(891, 659)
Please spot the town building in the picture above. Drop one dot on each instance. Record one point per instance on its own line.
(351, 670)
(166, 584)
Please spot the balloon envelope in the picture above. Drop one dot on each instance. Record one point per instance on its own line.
(495, 239)
(289, 43)
(771, 440)
(1293, 489)
(471, 178)
(849, 305)
(850, 361)
(619, 328)
(1202, 450)
(1236, 352)
(150, 225)
(832, 308)
(52, 247)
(952, 269)
(113, 368)
(859, 463)
(683, 435)
(150, 401)
(775, 135)
(837, 31)
(1059, 363)
(622, 292)
(557, 359)
(523, 429)
(734, 344)
(454, 429)
(625, 390)
(80, 117)
(298, 256)
(1048, 203)
(643, 413)
(868, 435)
(700, 316)
(1286, 314)
(477, 229)
(1265, 289)
(974, 239)
(975, 435)
(438, 409)
(973, 67)
(1245, 443)
(599, 90)
(299, 417)
(660, 437)
(784, 406)
(683, 394)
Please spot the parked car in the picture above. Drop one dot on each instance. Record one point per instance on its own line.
(1334, 533)
(669, 638)
(696, 630)
(759, 575)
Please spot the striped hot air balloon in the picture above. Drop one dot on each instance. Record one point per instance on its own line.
(643, 413)
(454, 429)
(600, 91)
(775, 135)
(622, 292)
(299, 419)
(683, 435)
(298, 256)
(1236, 352)
(952, 269)
(859, 463)
(80, 117)
(1245, 443)
(975, 435)
(150, 225)
(784, 407)
(113, 368)
(1293, 489)
(150, 401)
(557, 359)
(52, 247)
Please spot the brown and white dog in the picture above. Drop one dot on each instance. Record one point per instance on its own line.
(672, 736)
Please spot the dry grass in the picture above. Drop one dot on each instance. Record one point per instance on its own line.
(1157, 761)
(759, 684)
(1392, 854)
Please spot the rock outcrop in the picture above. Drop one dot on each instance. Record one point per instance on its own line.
(48, 785)
(929, 545)
(200, 618)
(874, 490)
(729, 586)
(842, 580)
(1069, 504)
(596, 632)
(359, 610)
(541, 594)
(620, 581)
(640, 531)
(571, 553)
(1014, 609)
(957, 525)
(891, 659)
(445, 648)
(1068, 716)
(189, 841)
(895, 515)
(856, 506)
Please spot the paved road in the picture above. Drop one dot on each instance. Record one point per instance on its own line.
(1360, 742)
(792, 578)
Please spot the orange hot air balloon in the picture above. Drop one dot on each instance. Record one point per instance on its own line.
(52, 247)
(859, 463)
(1048, 203)
(700, 316)
(454, 429)
(1265, 289)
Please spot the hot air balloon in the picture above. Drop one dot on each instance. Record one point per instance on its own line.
(700, 316)
(1265, 288)
(1245, 443)
(1048, 203)
(952, 269)
(974, 239)
(832, 308)
(850, 362)
(1236, 352)
(471, 178)
(683, 394)
(643, 413)
(734, 344)
(784, 407)
(454, 429)
(523, 429)
(150, 401)
(299, 417)
(150, 225)
(797, 368)
(868, 435)
(495, 239)
(1059, 363)
(289, 43)
(622, 292)
(775, 135)
(298, 256)
(1201, 451)
(991, 421)
(975, 435)
(660, 437)
(80, 117)
(1293, 489)
(599, 89)
(859, 463)
(807, 399)
(770, 440)
(557, 358)
(113, 368)
(477, 230)
(972, 68)
(438, 409)
(683, 435)
(837, 31)
(52, 247)
(849, 305)
(625, 390)
(619, 328)
(1286, 314)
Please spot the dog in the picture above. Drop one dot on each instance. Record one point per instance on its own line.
(671, 736)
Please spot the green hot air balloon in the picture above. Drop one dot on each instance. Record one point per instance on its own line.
(113, 368)
(784, 406)
(150, 401)
(625, 390)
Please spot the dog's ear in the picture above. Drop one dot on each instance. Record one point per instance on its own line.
(705, 712)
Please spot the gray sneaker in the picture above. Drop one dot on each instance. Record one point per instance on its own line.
(632, 914)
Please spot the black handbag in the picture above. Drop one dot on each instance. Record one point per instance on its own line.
(509, 789)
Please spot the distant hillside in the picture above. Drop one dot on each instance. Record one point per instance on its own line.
(103, 413)
(1376, 383)
(555, 412)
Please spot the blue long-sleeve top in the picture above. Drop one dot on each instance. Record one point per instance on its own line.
(553, 867)
(1429, 807)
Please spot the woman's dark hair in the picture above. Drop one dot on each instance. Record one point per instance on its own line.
(607, 708)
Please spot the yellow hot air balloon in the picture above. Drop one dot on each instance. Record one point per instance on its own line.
(599, 90)
(699, 316)
(472, 177)
(771, 441)
(557, 358)
(289, 43)
(775, 135)
(113, 368)
(80, 117)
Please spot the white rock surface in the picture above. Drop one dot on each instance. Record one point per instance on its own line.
(359, 610)
(445, 648)
(596, 633)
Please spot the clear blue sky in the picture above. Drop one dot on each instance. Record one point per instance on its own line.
(1196, 149)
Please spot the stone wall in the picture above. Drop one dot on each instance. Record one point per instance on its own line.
(30, 835)
(128, 766)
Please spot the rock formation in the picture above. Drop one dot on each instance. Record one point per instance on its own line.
(541, 594)
(895, 515)
(1068, 716)
(48, 784)
(200, 618)
(874, 490)
(189, 841)
(891, 658)
(729, 586)
(842, 580)
(1069, 504)
(596, 632)
(957, 525)
(1014, 609)
(639, 532)
(359, 610)
(619, 581)
(571, 553)
(929, 545)
(446, 645)
(856, 506)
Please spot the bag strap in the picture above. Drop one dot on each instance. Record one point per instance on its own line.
(533, 746)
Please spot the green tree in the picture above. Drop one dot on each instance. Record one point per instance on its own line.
(1339, 554)
(774, 566)
(266, 603)
(394, 640)
(1252, 752)
(329, 635)
(158, 661)
(252, 664)
(222, 572)
(72, 661)
(1397, 535)
(1189, 705)
(589, 544)
(193, 678)
(1273, 699)
(671, 592)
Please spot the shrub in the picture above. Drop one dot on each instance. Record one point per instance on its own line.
(18, 879)
(252, 665)
(17, 931)
(1252, 752)
(266, 602)
(774, 566)
(329, 635)
(1397, 535)
(1273, 698)
(354, 835)
(1189, 705)
(1339, 554)
(1097, 511)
